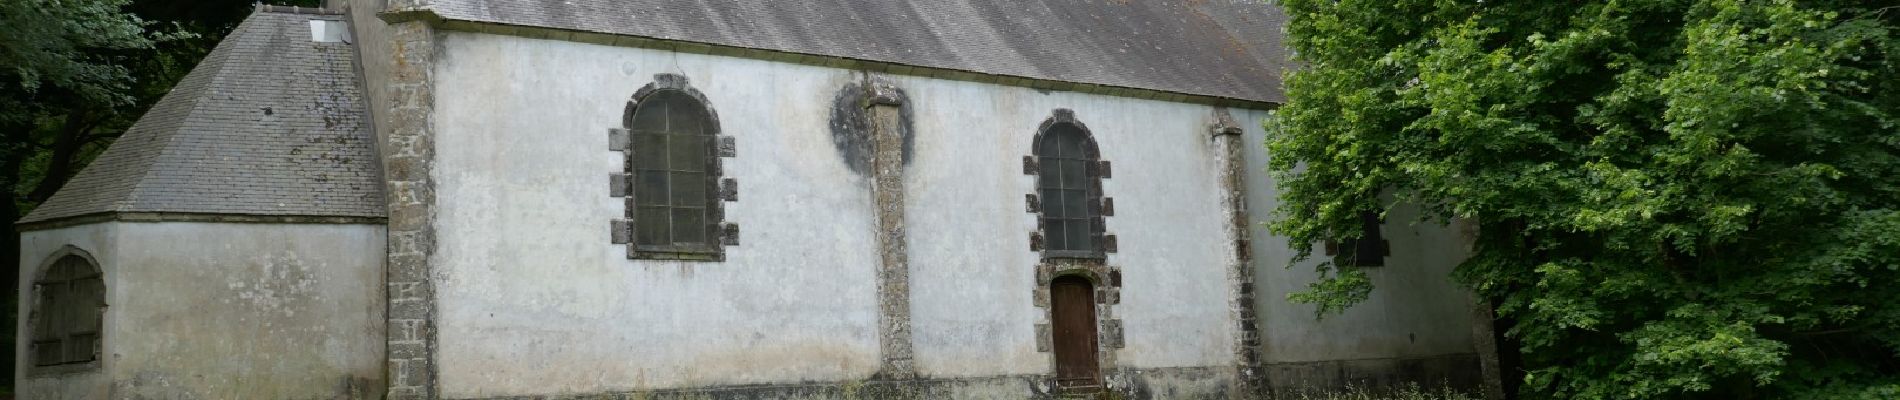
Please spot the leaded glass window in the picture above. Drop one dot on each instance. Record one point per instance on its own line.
(1067, 188)
(674, 181)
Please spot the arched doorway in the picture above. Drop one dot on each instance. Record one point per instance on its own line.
(1072, 314)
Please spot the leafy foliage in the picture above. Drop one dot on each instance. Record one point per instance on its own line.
(1675, 198)
(44, 40)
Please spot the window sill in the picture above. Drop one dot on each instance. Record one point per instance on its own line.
(62, 369)
(676, 253)
(1074, 255)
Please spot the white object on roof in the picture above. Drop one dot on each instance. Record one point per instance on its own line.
(326, 31)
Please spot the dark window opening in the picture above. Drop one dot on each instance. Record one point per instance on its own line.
(673, 166)
(1067, 188)
(69, 311)
(1369, 250)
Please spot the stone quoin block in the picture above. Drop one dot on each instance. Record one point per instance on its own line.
(729, 189)
(619, 185)
(729, 233)
(622, 231)
(619, 139)
(728, 147)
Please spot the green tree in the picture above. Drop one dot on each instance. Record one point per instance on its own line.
(1675, 198)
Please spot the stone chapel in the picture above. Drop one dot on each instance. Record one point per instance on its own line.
(726, 199)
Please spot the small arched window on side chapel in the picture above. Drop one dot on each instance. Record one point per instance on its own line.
(672, 180)
(68, 310)
(1069, 173)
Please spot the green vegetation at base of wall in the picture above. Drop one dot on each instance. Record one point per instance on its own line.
(1410, 392)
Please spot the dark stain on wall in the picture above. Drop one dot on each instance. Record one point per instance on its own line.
(851, 124)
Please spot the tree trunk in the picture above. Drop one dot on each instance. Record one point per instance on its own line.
(10, 256)
(59, 167)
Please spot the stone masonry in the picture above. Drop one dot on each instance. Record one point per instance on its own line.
(887, 188)
(1226, 137)
(407, 162)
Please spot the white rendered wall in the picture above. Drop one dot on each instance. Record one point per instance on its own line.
(530, 290)
(223, 310)
(972, 271)
(1416, 310)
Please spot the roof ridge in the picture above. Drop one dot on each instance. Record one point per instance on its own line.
(267, 8)
(1219, 52)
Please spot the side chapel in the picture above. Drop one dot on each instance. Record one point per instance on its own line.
(536, 199)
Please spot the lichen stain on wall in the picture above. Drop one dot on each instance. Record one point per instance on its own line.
(709, 368)
(279, 285)
(162, 385)
(154, 385)
(850, 125)
(246, 311)
(717, 367)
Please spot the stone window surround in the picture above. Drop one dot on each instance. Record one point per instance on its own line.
(722, 189)
(36, 315)
(1099, 205)
(1092, 266)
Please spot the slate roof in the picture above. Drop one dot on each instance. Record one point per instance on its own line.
(270, 123)
(1220, 48)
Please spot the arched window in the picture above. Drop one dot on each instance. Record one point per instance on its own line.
(67, 313)
(1069, 188)
(673, 150)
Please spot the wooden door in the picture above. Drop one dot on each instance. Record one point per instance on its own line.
(1072, 311)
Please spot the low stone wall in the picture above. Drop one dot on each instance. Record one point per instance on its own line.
(1458, 371)
(1126, 383)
